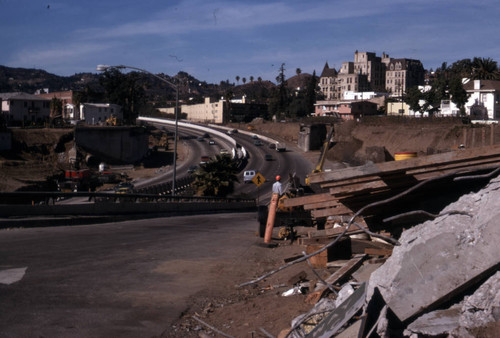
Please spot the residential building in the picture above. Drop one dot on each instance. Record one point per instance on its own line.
(367, 63)
(403, 74)
(70, 108)
(327, 82)
(98, 113)
(347, 110)
(24, 108)
(221, 111)
(484, 99)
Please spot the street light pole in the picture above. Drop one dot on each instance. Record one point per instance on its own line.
(103, 68)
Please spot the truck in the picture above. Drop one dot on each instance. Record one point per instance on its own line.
(280, 146)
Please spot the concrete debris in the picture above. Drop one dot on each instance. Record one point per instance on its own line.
(441, 259)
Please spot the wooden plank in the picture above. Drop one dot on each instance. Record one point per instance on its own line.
(378, 252)
(322, 205)
(409, 164)
(337, 276)
(359, 246)
(308, 199)
(322, 240)
(340, 210)
(331, 232)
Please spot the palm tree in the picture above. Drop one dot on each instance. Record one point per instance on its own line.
(216, 177)
(298, 71)
(244, 80)
(251, 78)
(484, 69)
(238, 79)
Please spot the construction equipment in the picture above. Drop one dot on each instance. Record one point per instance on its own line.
(322, 156)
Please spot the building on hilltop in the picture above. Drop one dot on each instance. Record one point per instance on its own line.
(220, 111)
(70, 108)
(403, 74)
(368, 72)
(327, 82)
(22, 108)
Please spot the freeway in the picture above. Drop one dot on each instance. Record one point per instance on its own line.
(290, 162)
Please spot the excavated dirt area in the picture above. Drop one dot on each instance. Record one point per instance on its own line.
(241, 312)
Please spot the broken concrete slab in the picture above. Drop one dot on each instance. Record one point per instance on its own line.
(440, 258)
(476, 311)
(436, 323)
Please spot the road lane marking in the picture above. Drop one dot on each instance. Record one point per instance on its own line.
(10, 276)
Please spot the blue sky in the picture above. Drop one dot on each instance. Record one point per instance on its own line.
(218, 40)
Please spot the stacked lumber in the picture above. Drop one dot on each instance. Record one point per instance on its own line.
(350, 189)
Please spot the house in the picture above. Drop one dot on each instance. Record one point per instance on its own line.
(484, 99)
(98, 113)
(18, 107)
(70, 108)
(347, 110)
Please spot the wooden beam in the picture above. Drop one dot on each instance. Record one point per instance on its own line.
(340, 274)
(340, 210)
(299, 201)
(409, 164)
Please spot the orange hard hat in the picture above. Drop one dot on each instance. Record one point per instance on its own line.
(278, 178)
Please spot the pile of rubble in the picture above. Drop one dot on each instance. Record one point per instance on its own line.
(438, 278)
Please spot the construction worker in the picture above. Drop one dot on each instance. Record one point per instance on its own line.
(277, 187)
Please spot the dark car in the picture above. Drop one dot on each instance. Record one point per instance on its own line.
(192, 169)
(268, 157)
(124, 188)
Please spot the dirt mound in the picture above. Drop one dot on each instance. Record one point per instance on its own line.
(354, 140)
(36, 154)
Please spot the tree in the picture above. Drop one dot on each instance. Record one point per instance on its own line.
(298, 71)
(244, 80)
(216, 177)
(279, 101)
(56, 108)
(237, 79)
(458, 94)
(125, 90)
(413, 97)
(251, 78)
(484, 69)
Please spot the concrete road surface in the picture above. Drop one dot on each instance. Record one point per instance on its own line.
(128, 279)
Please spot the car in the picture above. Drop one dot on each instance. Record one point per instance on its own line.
(257, 143)
(268, 157)
(204, 159)
(255, 137)
(200, 138)
(206, 135)
(211, 142)
(248, 175)
(192, 169)
(124, 188)
(272, 146)
(224, 152)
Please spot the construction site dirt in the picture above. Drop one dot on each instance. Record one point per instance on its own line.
(390, 232)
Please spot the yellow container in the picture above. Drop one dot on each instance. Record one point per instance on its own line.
(405, 155)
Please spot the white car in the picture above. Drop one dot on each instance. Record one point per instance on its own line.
(248, 175)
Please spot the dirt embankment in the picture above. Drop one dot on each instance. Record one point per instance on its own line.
(40, 153)
(36, 154)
